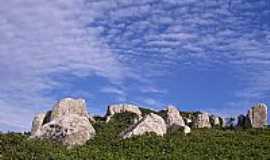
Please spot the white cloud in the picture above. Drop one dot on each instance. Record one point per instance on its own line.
(112, 90)
(152, 89)
(44, 38)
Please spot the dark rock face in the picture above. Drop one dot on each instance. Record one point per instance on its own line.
(229, 122)
(241, 120)
(257, 116)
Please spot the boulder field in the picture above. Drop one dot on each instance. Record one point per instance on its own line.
(70, 124)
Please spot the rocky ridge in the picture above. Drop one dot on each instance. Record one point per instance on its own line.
(70, 124)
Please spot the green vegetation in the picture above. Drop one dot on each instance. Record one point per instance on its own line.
(190, 115)
(146, 111)
(202, 144)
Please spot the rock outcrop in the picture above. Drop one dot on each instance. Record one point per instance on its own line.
(68, 123)
(257, 116)
(37, 124)
(151, 123)
(202, 121)
(215, 121)
(122, 108)
(70, 130)
(175, 121)
(68, 106)
(173, 117)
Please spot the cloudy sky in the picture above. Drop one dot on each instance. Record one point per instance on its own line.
(203, 55)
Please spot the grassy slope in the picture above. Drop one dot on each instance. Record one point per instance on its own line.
(201, 144)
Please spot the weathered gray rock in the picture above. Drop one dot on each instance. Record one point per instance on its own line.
(69, 106)
(37, 124)
(215, 121)
(257, 116)
(151, 123)
(122, 108)
(202, 121)
(68, 123)
(173, 117)
(70, 130)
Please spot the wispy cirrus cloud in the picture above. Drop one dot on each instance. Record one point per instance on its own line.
(166, 33)
(164, 36)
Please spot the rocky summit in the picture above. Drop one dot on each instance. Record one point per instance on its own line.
(69, 106)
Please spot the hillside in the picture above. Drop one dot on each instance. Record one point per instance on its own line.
(201, 144)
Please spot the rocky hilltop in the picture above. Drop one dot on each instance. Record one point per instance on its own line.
(70, 124)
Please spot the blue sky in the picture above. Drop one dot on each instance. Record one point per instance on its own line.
(203, 55)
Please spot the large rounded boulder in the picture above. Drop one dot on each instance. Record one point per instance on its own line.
(151, 123)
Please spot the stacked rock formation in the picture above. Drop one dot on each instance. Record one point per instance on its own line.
(68, 123)
(257, 116)
(151, 123)
(122, 108)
